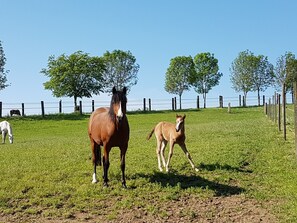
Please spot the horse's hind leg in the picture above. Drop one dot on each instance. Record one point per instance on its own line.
(106, 165)
(123, 164)
(163, 146)
(96, 158)
(184, 148)
(158, 151)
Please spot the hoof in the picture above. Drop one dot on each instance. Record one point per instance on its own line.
(94, 181)
(196, 169)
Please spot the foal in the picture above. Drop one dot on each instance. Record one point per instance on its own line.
(175, 134)
(6, 128)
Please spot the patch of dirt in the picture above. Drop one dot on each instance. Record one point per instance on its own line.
(235, 208)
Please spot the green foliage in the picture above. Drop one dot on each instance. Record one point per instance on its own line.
(3, 72)
(177, 79)
(46, 174)
(207, 74)
(120, 70)
(285, 71)
(251, 73)
(77, 75)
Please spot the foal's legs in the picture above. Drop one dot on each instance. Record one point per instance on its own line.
(123, 164)
(184, 148)
(169, 155)
(158, 151)
(163, 146)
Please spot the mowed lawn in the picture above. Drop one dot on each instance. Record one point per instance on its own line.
(248, 173)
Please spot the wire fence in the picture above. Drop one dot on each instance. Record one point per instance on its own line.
(145, 104)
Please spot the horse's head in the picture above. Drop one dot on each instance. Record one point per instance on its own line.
(118, 103)
(179, 122)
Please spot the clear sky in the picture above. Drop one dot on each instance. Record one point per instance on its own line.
(154, 31)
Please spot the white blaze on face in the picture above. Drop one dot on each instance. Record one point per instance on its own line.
(120, 112)
(177, 127)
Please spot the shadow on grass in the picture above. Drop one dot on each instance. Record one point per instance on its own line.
(173, 179)
(217, 166)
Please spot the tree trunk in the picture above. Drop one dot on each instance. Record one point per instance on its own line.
(244, 101)
(204, 98)
(75, 104)
(258, 97)
(180, 102)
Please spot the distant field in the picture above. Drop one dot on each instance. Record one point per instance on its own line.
(247, 172)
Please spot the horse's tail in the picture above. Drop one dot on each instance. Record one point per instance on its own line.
(151, 133)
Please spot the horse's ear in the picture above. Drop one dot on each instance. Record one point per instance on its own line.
(125, 90)
(184, 116)
(114, 90)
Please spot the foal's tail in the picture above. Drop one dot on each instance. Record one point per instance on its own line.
(151, 133)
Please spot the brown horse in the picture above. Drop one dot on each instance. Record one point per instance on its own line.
(108, 127)
(175, 134)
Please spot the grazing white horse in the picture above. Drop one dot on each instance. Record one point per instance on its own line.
(6, 128)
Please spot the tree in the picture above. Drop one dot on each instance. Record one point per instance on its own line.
(242, 70)
(3, 72)
(263, 75)
(77, 75)
(177, 79)
(207, 74)
(120, 70)
(282, 71)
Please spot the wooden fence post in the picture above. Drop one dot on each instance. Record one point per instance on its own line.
(150, 105)
(23, 109)
(93, 105)
(42, 109)
(0, 109)
(144, 105)
(263, 100)
(284, 111)
(198, 103)
(295, 112)
(239, 100)
(172, 103)
(279, 112)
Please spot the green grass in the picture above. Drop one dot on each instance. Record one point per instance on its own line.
(47, 172)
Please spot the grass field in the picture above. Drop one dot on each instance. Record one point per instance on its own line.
(248, 173)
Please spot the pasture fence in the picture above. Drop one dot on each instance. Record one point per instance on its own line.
(146, 104)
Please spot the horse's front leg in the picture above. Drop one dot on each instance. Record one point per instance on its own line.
(184, 148)
(3, 136)
(123, 164)
(105, 165)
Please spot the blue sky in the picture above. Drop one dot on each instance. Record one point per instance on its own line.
(154, 31)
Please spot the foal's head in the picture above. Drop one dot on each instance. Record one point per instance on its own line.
(118, 103)
(180, 120)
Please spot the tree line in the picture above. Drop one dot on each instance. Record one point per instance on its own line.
(80, 75)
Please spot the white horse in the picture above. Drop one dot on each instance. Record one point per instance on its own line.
(6, 128)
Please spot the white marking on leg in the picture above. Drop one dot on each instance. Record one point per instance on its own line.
(94, 178)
